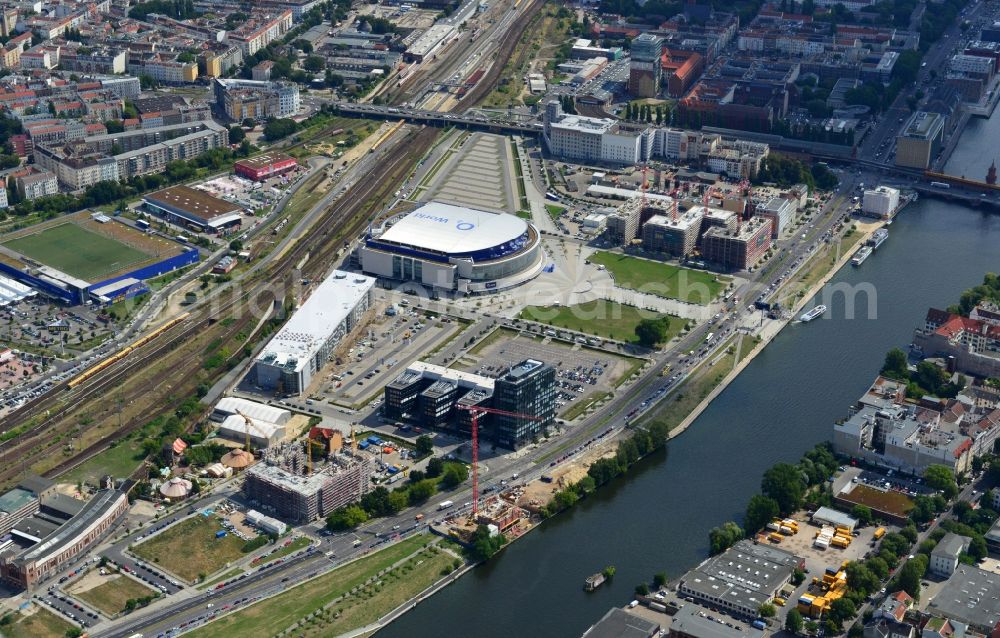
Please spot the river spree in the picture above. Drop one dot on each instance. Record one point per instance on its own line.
(657, 518)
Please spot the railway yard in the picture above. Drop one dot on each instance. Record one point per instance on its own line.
(322, 324)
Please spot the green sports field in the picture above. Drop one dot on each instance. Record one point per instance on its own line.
(76, 251)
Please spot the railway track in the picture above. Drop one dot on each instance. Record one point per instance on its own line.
(323, 245)
(56, 410)
(478, 93)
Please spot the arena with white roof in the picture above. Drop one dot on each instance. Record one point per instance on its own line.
(449, 247)
(307, 341)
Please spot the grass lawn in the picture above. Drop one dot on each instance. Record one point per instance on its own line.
(601, 318)
(190, 548)
(76, 251)
(823, 262)
(582, 404)
(110, 597)
(700, 383)
(555, 210)
(660, 279)
(41, 624)
(491, 338)
(284, 550)
(271, 616)
(120, 460)
(523, 214)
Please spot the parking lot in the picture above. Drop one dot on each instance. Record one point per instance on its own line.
(40, 326)
(580, 371)
(391, 343)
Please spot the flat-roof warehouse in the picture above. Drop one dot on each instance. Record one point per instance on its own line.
(193, 208)
(264, 166)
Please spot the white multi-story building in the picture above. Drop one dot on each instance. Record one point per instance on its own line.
(973, 64)
(306, 342)
(880, 201)
(780, 211)
(944, 557)
(591, 139)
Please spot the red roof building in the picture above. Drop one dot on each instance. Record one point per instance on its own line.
(264, 166)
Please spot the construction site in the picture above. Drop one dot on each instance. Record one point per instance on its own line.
(288, 484)
(497, 513)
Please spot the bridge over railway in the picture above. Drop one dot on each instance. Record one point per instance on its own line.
(972, 192)
(469, 121)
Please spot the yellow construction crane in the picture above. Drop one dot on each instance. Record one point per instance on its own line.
(248, 423)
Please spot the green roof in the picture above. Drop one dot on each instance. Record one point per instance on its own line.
(15, 500)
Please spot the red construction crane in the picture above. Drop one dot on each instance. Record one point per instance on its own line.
(477, 410)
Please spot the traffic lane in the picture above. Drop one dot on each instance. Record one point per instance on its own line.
(246, 588)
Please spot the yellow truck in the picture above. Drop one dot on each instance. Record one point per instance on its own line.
(841, 542)
(879, 533)
(775, 537)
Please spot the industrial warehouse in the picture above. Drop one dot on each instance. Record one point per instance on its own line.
(193, 208)
(266, 423)
(455, 248)
(264, 166)
(306, 342)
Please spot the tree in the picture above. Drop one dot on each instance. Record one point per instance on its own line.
(723, 537)
(842, 610)
(977, 548)
(484, 546)
(760, 511)
(793, 621)
(941, 477)
(398, 500)
(659, 580)
(276, 129)
(248, 122)
(345, 518)
(454, 475)
(424, 445)
(784, 484)
(76, 632)
(863, 513)
(434, 467)
(642, 589)
(861, 579)
(420, 492)
(236, 135)
(767, 610)
(314, 63)
(909, 575)
(651, 332)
